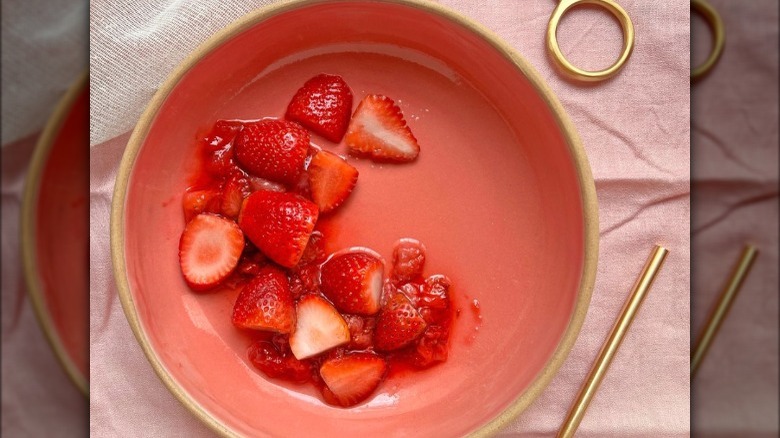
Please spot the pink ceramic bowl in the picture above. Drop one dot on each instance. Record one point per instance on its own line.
(55, 232)
(501, 195)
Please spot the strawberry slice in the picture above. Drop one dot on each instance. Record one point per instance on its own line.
(209, 249)
(353, 282)
(272, 149)
(378, 130)
(233, 192)
(196, 202)
(351, 378)
(265, 303)
(331, 180)
(398, 325)
(323, 104)
(279, 224)
(319, 327)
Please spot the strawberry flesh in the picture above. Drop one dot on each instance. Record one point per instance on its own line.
(353, 282)
(351, 378)
(378, 131)
(265, 303)
(272, 149)
(319, 327)
(331, 180)
(279, 224)
(209, 250)
(323, 104)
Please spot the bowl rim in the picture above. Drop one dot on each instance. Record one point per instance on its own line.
(575, 148)
(29, 241)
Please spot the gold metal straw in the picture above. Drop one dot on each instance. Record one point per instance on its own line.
(722, 306)
(611, 345)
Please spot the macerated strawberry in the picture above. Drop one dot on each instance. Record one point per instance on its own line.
(234, 191)
(399, 324)
(196, 202)
(351, 378)
(378, 130)
(272, 149)
(408, 260)
(209, 249)
(361, 331)
(279, 224)
(319, 327)
(277, 364)
(323, 104)
(353, 282)
(331, 180)
(265, 303)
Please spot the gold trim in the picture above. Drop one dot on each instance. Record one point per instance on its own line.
(588, 192)
(28, 224)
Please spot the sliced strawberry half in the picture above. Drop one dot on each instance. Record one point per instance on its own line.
(319, 327)
(353, 281)
(272, 149)
(331, 180)
(209, 249)
(279, 224)
(378, 130)
(265, 303)
(323, 104)
(351, 378)
(398, 325)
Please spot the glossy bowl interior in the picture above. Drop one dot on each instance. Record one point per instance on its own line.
(501, 195)
(55, 229)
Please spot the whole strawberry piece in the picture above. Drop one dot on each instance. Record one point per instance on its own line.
(398, 325)
(378, 130)
(265, 303)
(279, 224)
(272, 149)
(353, 282)
(331, 180)
(351, 378)
(323, 104)
(209, 249)
(318, 327)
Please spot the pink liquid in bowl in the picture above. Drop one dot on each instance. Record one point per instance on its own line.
(494, 196)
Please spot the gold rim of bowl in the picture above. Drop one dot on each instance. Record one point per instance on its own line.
(29, 222)
(587, 191)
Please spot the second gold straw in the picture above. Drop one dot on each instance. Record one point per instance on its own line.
(611, 345)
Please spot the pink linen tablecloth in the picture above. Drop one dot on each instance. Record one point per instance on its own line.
(734, 143)
(44, 49)
(635, 129)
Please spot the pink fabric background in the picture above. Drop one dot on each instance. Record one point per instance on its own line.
(636, 132)
(735, 170)
(44, 49)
